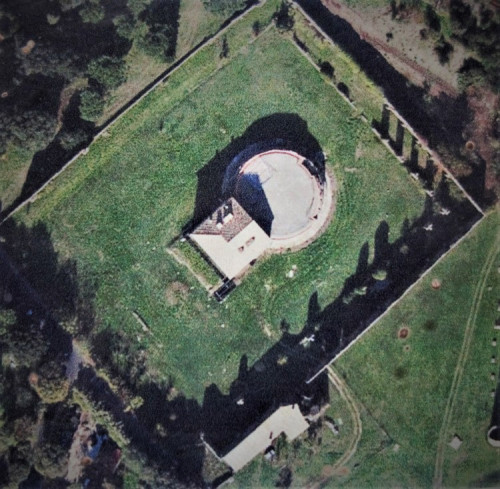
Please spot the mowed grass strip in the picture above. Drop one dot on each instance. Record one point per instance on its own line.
(405, 383)
(117, 210)
(476, 462)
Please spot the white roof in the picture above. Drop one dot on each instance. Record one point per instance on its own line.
(232, 257)
(286, 419)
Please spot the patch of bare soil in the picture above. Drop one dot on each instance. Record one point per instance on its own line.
(436, 283)
(77, 457)
(485, 106)
(343, 471)
(403, 333)
(175, 292)
(327, 471)
(400, 41)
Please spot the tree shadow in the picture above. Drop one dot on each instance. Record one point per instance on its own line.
(276, 131)
(50, 160)
(287, 372)
(440, 120)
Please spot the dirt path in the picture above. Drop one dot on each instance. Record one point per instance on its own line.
(345, 393)
(462, 359)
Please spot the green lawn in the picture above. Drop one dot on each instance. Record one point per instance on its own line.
(117, 208)
(405, 383)
(476, 463)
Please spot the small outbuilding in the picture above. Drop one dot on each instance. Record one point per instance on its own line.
(286, 419)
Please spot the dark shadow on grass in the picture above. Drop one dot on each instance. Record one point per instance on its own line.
(440, 120)
(280, 376)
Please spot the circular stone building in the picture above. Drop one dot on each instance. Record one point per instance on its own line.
(288, 196)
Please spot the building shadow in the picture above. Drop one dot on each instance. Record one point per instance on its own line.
(276, 131)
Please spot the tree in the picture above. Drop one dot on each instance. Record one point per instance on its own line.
(124, 25)
(162, 20)
(52, 452)
(50, 382)
(283, 17)
(432, 19)
(92, 12)
(91, 105)
(107, 71)
(443, 50)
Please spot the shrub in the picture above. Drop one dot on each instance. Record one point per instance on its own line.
(443, 50)
(91, 105)
(256, 28)
(327, 69)
(432, 19)
(107, 71)
(283, 17)
(51, 383)
(92, 12)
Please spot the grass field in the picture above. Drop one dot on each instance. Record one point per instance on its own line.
(118, 207)
(405, 383)
(401, 386)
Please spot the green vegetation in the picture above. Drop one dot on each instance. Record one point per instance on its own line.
(119, 206)
(107, 71)
(340, 68)
(474, 464)
(224, 7)
(92, 11)
(141, 37)
(91, 105)
(406, 382)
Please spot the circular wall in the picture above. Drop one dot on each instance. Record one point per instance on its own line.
(285, 194)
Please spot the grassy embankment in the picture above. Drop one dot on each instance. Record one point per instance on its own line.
(195, 23)
(118, 207)
(405, 383)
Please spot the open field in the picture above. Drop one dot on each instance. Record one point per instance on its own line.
(117, 209)
(405, 383)
(476, 462)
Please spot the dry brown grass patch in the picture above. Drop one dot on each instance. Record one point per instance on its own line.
(175, 292)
